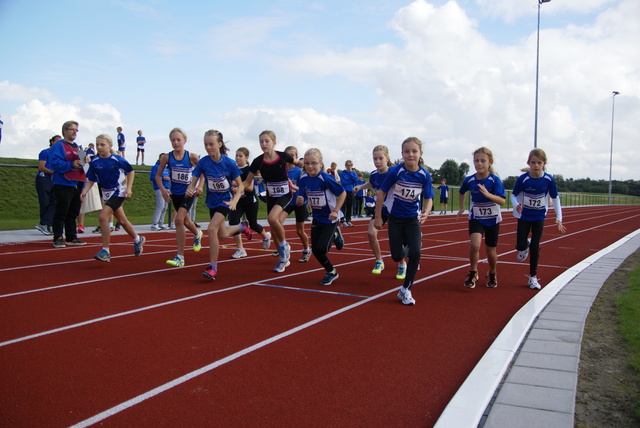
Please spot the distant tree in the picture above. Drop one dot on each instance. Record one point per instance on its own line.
(450, 171)
(509, 182)
(464, 171)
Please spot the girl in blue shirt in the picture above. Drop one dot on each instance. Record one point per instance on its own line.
(530, 199)
(218, 171)
(348, 179)
(487, 196)
(325, 197)
(382, 162)
(294, 172)
(115, 176)
(401, 191)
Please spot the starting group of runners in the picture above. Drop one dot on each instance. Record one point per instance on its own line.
(404, 198)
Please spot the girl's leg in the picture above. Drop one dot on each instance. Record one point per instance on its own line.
(492, 258)
(372, 234)
(536, 236)
(103, 217)
(216, 223)
(275, 220)
(304, 238)
(475, 241)
(125, 223)
(321, 239)
(522, 234)
(181, 216)
(234, 219)
(413, 239)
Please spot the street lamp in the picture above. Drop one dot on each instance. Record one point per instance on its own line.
(613, 108)
(535, 127)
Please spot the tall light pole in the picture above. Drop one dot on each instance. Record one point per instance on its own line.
(613, 109)
(535, 127)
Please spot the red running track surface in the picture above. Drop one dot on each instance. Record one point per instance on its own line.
(135, 342)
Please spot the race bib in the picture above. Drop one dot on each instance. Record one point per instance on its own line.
(181, 175)
(486, 211)
(277, 189)
(533, 202)
(218, 184)
(407, 191)
(317, 199)
(107, 193)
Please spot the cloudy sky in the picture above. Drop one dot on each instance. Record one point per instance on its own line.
(339, 75)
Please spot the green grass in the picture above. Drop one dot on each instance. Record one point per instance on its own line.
(629, 318)
(19, 199)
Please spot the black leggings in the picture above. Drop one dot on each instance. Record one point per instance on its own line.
(405, 240)
(535, 227)
(248, 206)
(348, 206)
(321, 239)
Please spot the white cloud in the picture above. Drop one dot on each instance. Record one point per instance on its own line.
(16, 92)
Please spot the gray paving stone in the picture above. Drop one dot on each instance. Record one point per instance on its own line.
(553, 362)
(503, 416)
(551, 347)
(557, 335)
(537, 397)
(542, 377)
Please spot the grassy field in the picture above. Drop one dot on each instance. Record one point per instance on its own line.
(629, 318)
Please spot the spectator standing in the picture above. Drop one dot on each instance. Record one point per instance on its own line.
(121, 143)
(157, 222)
(348, 179)
(360, 194)
(44, 187)
(140, 141)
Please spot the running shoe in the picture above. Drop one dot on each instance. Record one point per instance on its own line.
(163, 227)
(177, 261)
(155, 227)
(405, 296)
(266, 242)
(197, 241)
(285, 252)
(338, 240)
(137, 247)
(306, 255)
(80, 229)
(281, 266)
(471, 279)
(329, 278)
(240, 253)
(493, 280)
(76, 242)
(378, 268)
(402, 271)
(96, 230)
(209, 273)
(103, 256)
(247, 231)
(533, 283)
(42, 228)
(522, 255)
(59, 243)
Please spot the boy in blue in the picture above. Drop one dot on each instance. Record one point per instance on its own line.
(115, 176)
(487, 196)
(140, 141)
(121, 142)
(219, 172)
(444, 196)
(530, 199)
(401, 191)
(325, 197)
(348, 179)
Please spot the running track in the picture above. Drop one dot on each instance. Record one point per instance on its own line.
(137, 343)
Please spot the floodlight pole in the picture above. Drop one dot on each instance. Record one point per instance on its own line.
(613, 108)
(535, 127)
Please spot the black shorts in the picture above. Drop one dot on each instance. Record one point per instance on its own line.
(444, 200)
(181, 201)
(141, 149)
(283, 201)
(490, 232)
(301, 212)
(222, 210)
(115, 202)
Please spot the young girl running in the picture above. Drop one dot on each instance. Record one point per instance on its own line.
(247, 205)
(405, 184)
(530, 199)
(487, 196)
(382, 162)
(180, 163)
(272, 165)
(218, 171)
(325, 196)
(294, 173)
(115, 176)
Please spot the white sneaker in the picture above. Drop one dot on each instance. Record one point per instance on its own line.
(240, 253)
(405, 296)
(266, 242)
(155, 227)
(533, 283)
(522, 255)
(281, 266)
(287, 253)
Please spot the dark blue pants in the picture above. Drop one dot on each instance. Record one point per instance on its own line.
(46, 199)
(67, 209)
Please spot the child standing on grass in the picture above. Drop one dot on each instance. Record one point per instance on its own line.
(272, 165)
(487, 196)
(115, 176)
(294, 172)
(382, 162)
(180, 163)
(247, 205)
(325, 197)
(218, 171)
(403, 187)
(530, 199)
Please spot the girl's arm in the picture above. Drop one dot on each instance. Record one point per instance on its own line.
(377, 221)
(193, 186)
(336, 210)
(165, 192)
(364, 186)
(493, 198)
(86, 189)
(424, 215)
(248, 182)
(461, 199)
(43, 168)
(558, 209)
(236, 197)
(129, 180)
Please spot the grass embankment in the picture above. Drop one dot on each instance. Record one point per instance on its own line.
(19, 199)
(629, 318)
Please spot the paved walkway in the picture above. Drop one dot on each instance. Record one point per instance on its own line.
(528, 377)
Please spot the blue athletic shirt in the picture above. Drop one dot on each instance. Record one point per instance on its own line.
(165, 173)
(348, 179)
(44, 156)
(376, 179)
(404, 189)
(322, 193)
(444, 191)
(294, 175)
(533, 194)
(482, 209)
(111, 173)
(218, 178)
(180, 173)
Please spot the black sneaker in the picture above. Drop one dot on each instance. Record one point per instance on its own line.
(329, 278)
(471, 279)
(337, 239)
(59, 243)
(493, 280)
(76, 242)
